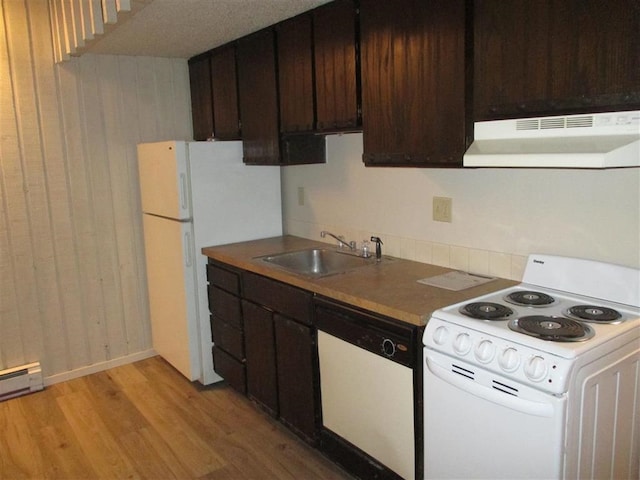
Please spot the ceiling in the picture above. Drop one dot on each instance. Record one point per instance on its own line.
(184, 28)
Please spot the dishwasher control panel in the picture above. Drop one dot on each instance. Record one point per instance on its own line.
(384, 337)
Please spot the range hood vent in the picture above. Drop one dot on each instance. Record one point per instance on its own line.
(600, 140)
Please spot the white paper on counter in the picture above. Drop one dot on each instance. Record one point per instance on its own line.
(456, 280)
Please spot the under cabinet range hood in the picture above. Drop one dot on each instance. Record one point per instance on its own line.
(599, 140)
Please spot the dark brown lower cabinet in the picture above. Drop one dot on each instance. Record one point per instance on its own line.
(296, 364)
(281, 368)
(281, 352)
(227, 331)
(260, 349)
(230, 368)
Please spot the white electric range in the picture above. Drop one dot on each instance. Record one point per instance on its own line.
(540, 380)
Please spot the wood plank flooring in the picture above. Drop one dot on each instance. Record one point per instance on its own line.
(144, 420)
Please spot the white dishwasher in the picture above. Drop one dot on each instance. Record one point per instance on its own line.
(368, 391)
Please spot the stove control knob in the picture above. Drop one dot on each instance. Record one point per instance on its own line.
(509, 360)
(485, 351)
(440, 335)
(462, 344)
(535, 368)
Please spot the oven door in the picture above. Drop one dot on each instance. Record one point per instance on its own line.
(475, 429)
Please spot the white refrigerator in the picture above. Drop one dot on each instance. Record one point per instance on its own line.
(197, 194)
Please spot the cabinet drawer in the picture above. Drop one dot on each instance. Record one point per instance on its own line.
(223, 278)
(227, 337)
(282, 298)
(225, 306)
(232, 370)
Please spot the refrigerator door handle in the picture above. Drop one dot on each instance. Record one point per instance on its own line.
(183, 191)
(188, 258)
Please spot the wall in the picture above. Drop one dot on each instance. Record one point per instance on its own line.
(73, 291)
(499, 215)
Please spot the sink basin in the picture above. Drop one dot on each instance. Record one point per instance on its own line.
(318, 262)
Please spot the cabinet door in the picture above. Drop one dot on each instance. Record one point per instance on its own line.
(297, 364)
(295, 73)
(414, 87)
(555, 57)
(257, 89)
(224, 86)
(201, 97)
(335, 56)
(262, 383)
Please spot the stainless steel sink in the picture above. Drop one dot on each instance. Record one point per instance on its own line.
(318, 262)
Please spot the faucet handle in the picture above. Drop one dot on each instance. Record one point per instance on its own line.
(366, 252)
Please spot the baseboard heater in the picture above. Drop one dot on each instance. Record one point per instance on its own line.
(20, 380)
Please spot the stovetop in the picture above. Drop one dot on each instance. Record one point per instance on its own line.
(570, 324)
(556, 335)
(609, 319)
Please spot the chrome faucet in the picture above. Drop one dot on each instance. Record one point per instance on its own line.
(341, 241)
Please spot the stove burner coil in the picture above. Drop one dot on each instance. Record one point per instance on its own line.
(555, 329)
(486, 311)
(530, 298)
(594, 313)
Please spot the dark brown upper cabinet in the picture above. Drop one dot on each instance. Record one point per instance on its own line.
(224, 86)
(336, 66)
(258, 92)
(295, 74)
(555, 57)
(201, 97)
(415, 90)
(259, 109)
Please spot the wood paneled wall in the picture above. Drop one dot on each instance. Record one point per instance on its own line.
(72, 281)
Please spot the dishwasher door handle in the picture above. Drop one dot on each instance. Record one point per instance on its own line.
(468, 385)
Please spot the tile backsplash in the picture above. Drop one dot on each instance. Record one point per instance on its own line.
(483, 262)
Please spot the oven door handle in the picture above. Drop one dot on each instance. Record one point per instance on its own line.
(487, 393)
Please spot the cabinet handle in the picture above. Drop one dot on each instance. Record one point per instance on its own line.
(183, 191)
(188, 259)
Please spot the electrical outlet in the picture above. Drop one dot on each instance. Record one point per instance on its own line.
(300, 196)
(442, 209)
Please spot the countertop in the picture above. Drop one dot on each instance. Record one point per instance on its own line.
(389, 288)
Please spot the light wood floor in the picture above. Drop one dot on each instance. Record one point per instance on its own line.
(144, 420)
